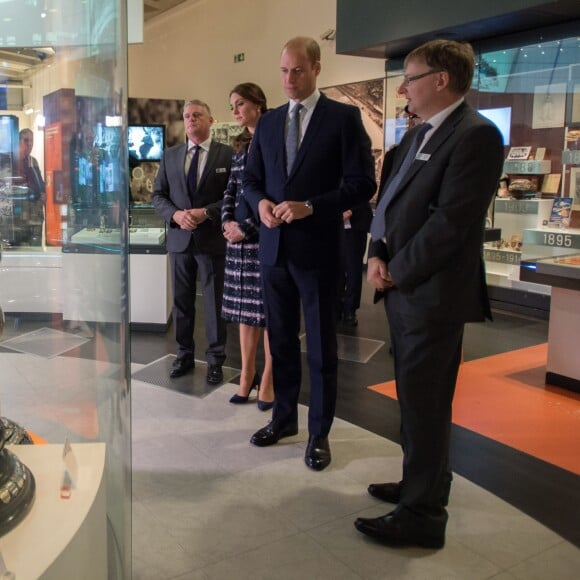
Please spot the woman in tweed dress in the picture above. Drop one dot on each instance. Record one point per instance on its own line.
(242, 299)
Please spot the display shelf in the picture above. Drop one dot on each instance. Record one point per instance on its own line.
(147, 236)
(503, 256)
(96, 236)
(552, 256)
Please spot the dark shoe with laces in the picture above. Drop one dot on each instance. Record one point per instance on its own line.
(272, 433)
(181, 366)
(392, 530)
(317, 454)
(215, 375)
(389, 492)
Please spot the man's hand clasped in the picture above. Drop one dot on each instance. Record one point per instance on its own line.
(273, 215)
(189, 219)
(378, 274)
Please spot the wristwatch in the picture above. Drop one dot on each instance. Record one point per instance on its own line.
(206, 213)
(308, 204)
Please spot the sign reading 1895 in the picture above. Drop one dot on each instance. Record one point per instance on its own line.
(560, 240)
(550, 238)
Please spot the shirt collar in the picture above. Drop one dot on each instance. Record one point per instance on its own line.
(437, 119)
(204, 145)
(308, 103)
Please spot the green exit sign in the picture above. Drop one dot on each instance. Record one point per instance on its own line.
(240, 57)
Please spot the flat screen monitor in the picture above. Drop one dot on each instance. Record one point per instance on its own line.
(146, 142)
(501, 117)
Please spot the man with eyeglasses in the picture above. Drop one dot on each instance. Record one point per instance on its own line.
(188, 194)
(425, 262)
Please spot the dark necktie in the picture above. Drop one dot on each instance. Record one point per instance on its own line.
(32, 179)
(378, 223)
(293, 138)
(192, 173)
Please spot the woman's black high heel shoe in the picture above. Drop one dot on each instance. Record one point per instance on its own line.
(240, 399)
(265, 405)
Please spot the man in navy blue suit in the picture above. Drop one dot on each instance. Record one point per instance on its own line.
(425, 261)
(310, 160)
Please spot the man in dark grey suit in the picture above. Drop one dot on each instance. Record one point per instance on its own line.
(425, 260)
(188, 194)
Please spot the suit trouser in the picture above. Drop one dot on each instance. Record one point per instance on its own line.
(354, 244)
(285, 286)
(184, 270)
(427, 355)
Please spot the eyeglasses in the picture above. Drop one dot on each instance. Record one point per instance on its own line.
(408, 80)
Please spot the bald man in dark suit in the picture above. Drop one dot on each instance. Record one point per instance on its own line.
(188, 193)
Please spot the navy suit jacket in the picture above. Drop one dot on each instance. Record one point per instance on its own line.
(434, 222)
(170, 194)
(334, 169)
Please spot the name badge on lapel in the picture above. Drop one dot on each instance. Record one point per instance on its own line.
(423, 156)
(221, 170)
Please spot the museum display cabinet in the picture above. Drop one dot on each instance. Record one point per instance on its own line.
(64, 352)
(532, 92)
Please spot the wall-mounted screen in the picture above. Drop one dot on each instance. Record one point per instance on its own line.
(501, 117)
(146, 142)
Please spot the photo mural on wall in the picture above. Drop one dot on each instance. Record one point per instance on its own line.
(368, 97)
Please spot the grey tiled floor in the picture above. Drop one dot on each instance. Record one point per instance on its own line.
(207, 505)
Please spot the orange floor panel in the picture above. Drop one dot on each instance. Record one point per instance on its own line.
(504, 397)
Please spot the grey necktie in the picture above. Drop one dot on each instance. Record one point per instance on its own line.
(378, 223)
(293, 138)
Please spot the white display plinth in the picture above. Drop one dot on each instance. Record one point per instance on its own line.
(150, 289)
(59, 538)
(563, 331)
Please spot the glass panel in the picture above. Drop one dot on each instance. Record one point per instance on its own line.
(64, 234)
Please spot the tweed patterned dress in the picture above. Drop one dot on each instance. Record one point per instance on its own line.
(242, 298)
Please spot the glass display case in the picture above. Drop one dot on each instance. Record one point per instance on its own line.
(64, 352)
(533, 93)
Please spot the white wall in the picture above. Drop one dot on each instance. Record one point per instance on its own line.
(189, 52)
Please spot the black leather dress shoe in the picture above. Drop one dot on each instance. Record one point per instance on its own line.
(272, 433)
(317, 454)
(390, 530)
(390, 492)
(181, 366)
(215, 375)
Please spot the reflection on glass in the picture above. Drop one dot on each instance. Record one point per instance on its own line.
(63, 231)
